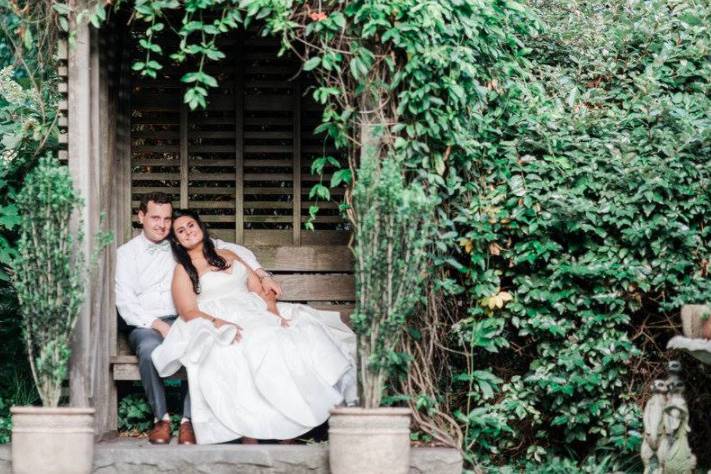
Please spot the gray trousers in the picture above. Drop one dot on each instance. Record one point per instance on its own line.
(143, 341)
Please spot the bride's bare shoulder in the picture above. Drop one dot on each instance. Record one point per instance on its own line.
(227, 254)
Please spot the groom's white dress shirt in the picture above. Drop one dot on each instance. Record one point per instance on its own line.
(144, 274)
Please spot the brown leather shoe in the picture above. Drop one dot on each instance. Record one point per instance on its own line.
(186, 435)
(160, 434)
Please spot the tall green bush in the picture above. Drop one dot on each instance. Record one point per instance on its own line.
(28, 127)
(49, 273)
(392, 234)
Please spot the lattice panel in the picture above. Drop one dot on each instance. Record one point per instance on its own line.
(269, 113)
(156, 106)
(211, 139)
(243, 163)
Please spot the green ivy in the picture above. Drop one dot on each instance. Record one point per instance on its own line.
(588, 207)
(27, 128)
(134, 414)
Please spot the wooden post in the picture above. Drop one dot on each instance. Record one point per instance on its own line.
(80, 160)
(103, 332)
(92, 155)
(296, 142)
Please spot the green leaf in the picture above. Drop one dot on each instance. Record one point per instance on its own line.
(61, 8)
(191, 26)
(214, 55)
(690, 19)
(190, 77)
(208, 80)
(318, 165)
(320, 191)
(154, 65)
(27, 38)
(341, 176)
(312, 63)
(63, 23)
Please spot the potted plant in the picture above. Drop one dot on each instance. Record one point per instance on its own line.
(48, 275)
(393, 229)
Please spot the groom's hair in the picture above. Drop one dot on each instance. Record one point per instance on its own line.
(157, 197)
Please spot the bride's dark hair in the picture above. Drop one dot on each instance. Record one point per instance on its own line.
(208, 249)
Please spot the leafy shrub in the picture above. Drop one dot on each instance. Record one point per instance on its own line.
(5, 422)
(586, 228)
(48, 274)
(28, 127)
(134, 414)
(392, 233)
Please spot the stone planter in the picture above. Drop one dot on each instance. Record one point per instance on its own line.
(52, 440)
(376, 441)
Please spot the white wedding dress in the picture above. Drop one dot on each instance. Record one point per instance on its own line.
(276, 383)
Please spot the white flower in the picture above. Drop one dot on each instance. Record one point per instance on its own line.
(9, 89)
(7, 157)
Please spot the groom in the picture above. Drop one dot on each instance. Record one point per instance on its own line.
(144, 272)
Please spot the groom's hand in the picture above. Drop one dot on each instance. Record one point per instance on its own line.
(270, 286)
(161, 326)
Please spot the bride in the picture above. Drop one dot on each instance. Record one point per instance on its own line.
(256, 368)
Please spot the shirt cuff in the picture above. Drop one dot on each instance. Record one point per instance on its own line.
(149, 323)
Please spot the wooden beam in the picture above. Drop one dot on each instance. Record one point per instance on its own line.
(239, 141)
(266, 237)
(314, 258)
(129, 372)
(309, 287)
(183, 154)
(103, 329)
(80, 166)
(296, 143)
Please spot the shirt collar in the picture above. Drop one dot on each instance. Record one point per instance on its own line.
(148, 244)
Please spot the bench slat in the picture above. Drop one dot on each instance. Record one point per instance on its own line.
(335, 287)
(317, 258)
(129, 372)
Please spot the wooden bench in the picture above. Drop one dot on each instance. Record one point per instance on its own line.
(321, 276)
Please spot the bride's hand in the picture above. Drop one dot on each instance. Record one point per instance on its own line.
(284, 322)
(221, 322)
(238, 334)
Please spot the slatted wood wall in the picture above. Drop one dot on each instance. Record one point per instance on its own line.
(243, 163)
(63, 88)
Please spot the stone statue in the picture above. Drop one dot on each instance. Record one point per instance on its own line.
(665, 447)
(653, 428)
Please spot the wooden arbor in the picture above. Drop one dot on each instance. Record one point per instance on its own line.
(243, 163)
